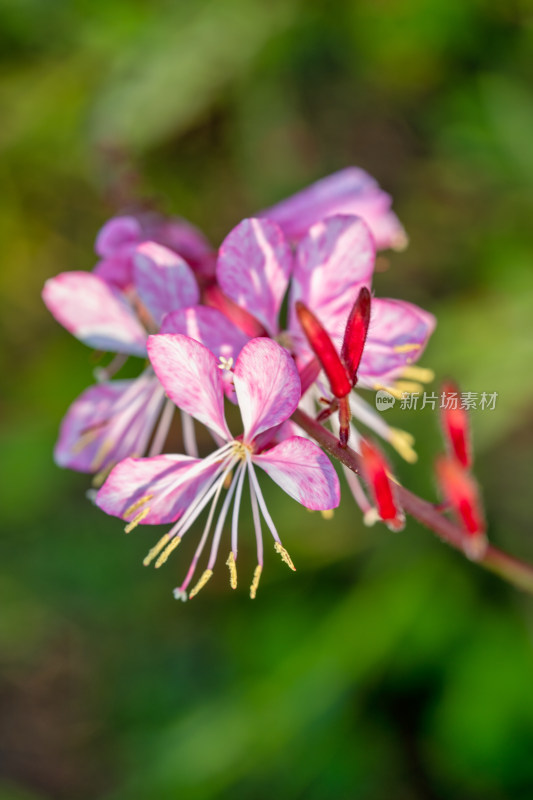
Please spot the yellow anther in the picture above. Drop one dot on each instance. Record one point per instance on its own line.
(408, 387)
(164, 540)
(225, 364)
(255, 583)
(138, 503)
(135, 521)
(201, 583)
(410, 347)
(403, 444)
(390, 389)
(240, 450)
(371, 517)
(278, 547)
(421, 374)
(327, 513)
(102, 452)
(167, 551)
(101, 476)
(85, 439)
(232, 570)
(228, 479)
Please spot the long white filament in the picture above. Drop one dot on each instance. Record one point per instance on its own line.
(262, 504)
(236, 510)
(257, 525)
(162, 429)
(205, 534)
(222, 518)
(189, 435)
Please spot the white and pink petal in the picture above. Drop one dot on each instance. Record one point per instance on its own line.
(214, 330)
(302, 470)
(116, 233)
(349, 191)
(164, 486)
(163, 280)
(190, 376)
(333, 262)
(267, 385)
(253, 269)
(95, 312)
(397, 336)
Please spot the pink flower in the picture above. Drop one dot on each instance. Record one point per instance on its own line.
(327, 271)
(119, 238)
(116, 419)
(176, 489)
(349, 191)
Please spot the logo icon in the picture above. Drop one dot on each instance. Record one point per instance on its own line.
(384, 400)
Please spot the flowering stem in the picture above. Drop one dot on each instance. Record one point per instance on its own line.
(511, 569)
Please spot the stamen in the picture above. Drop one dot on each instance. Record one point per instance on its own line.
(216, 489)
(226, 364)
(105, 448)
(257, 525)
(408, 387)
(156, 549)
(167, 551)
(137, 504)
(222, 518)
(137, 519)
(371, 517)
(421, 374)
(278, 547)
(409, 347)
(390, 389)
(403, 444)
(201, 583)
(162, 429)
(86, 439)
(232, 570)
(327, 513)
(262, 505)
(100, 477)
(255, 583)
(357, 490)
(189, 435)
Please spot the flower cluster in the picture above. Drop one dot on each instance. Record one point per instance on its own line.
(281, 319)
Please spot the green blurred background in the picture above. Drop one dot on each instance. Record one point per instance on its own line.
(387, 666)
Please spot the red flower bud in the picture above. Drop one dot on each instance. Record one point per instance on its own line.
(355, 334)
(324, 349)
(455, 424)
(376, 472)
(460, 491)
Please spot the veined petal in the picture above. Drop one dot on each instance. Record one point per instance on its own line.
(349, 191)
(164, 281)
(253, 268)
(397, 336)
(116, 233)
(267, 385)
(163, 486)
(108, 422)
(210, 327)
(185, 239)
(214, 330)
(303, 471)
(118, 268)
(333, 263)
(94, 312)
(191, 378)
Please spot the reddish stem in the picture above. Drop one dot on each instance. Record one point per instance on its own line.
(511, 569)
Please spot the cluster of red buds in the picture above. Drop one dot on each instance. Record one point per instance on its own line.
(454, 476)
